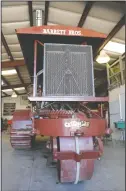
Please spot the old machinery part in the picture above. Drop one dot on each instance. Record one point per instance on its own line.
(20, 139)
(64, 76)
(21, 131)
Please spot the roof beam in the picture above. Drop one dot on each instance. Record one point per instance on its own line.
(13, 63)
(120, 2)
(6, 47)
(5, 81)
(14, 86)
(18, 95)
(85, 13)
(8, 84)
(20, 77)
(46, 12)
(118, 26)
(5, 94)
(12, 59)
(30, 12)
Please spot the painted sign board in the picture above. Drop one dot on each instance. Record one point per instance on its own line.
(60, 30)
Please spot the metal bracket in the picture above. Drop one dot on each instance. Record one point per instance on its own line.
(40, 72)
(77, 157)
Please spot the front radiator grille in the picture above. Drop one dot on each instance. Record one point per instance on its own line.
(68, 70)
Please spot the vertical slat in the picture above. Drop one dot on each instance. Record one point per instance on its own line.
(35, 66)
(121, 70)
(46, 12)
(30, 13)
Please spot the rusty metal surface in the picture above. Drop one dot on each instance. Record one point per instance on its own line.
(68, 167)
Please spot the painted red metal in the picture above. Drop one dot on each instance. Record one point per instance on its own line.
(21, 115)
(72, 139)
(21, 131)
(64, 152)
(77, 157)
(94, 154)
(56, 127)
(39, 42)
(67, 157)
(20, 139)
(54, 147)
(100, 146)
(68, 167)
(55, 114)
(61, 30)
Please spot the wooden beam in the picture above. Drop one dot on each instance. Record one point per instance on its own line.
(118, 26)
(46, 12)
(14, 63)
(14, 86)
(85, 13)
(8, 84)
(30, 12)
(6, 47)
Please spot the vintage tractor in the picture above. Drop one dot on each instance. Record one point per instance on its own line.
(60, 59)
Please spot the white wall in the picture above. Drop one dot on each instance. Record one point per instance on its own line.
(114, 106)
(19, 104)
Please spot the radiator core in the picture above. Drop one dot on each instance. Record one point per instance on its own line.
(68, 70)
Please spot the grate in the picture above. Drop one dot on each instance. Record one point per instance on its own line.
(68, 70)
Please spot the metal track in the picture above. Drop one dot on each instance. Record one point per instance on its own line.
(20, 140)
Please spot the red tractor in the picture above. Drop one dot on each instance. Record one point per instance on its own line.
(60, 59)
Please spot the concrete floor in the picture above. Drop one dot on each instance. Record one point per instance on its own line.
(27, 171)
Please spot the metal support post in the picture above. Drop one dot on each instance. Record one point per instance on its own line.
(121, 70)
(107, 68)
(35, 66)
